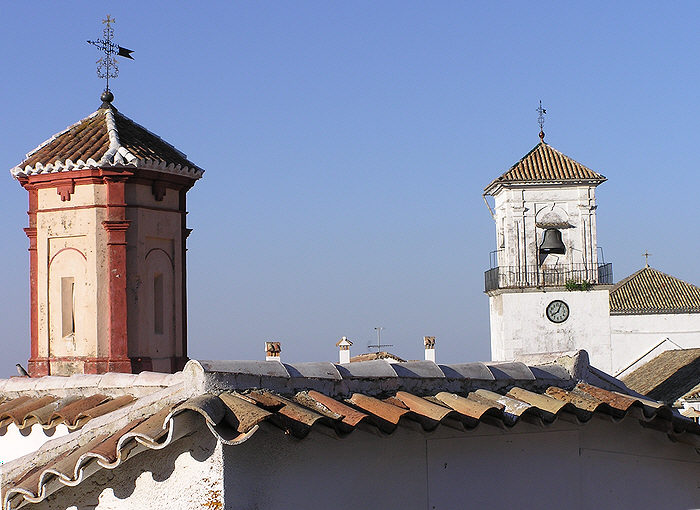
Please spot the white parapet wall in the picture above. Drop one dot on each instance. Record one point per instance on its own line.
(636, 339)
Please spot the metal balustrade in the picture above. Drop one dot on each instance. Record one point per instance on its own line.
(511, 277)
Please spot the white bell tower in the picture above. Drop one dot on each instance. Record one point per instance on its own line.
(548, 289)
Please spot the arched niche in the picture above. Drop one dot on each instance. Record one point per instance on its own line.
(159, 313)
(69, 305)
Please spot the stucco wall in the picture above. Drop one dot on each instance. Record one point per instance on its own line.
(598, 465)
(14, 444)
(71, 243)
(154, 248)
(633, 335)
(519, 324)
(188, 474)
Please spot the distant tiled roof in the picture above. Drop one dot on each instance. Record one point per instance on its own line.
(650, 291)
(668, 377)
(375, 355)
(73, 411)
(545, 164)
(339, 399)
(106, 138)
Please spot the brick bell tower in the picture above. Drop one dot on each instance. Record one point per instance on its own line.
(107, 236)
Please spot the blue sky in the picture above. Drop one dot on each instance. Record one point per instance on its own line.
(346, 146)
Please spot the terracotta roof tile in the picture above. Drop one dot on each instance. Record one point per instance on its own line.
(546, 164)
(347, 414)
(48, 411)
(649, 291)
(668, 377)
(106, 138)
(442, 408)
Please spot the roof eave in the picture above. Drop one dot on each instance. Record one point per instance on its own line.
(498, 184)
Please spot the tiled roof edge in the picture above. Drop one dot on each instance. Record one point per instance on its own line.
(107, 424)
(177, 418)
(664, 311)
(17, 171)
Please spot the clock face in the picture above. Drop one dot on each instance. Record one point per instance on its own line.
(557, 311)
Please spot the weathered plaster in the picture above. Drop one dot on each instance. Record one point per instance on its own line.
(519, 324)
(80, 235)
(187, 474)
(518, 209)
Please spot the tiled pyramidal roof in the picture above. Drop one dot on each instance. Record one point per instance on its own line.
(106, 138)
(545, 164)
(649, 291)
(236, 398)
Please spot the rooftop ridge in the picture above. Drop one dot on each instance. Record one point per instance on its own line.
(380, 377)
(375, 378)
(141, 126)
(112, 383)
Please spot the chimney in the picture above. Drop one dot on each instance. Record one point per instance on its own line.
(272, 351)
(344, 346)
(429, 342)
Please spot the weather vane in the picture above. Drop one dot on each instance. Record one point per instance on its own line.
(107, 66)
(540, 119)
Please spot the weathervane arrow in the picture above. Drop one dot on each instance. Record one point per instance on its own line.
(107, 66)
(123, 52)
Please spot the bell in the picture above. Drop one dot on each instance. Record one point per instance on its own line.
(551, 242)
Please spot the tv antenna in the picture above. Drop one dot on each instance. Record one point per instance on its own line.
(379, 345)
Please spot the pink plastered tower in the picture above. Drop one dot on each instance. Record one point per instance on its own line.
(107, 243)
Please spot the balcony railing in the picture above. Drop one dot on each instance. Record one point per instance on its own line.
(506, 277)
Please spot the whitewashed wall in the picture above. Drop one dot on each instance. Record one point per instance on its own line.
(15, 444)
(187, 474)
(598, 465)
(633, 335)
(519, 325)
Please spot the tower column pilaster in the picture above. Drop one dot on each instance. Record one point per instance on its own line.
(117, 336)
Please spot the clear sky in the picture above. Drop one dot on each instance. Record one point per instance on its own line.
(346, 146)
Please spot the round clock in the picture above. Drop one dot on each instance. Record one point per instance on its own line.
(557, 311)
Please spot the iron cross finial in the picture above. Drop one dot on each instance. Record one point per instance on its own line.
(107, 66)
(646, 256)
(540, 119)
